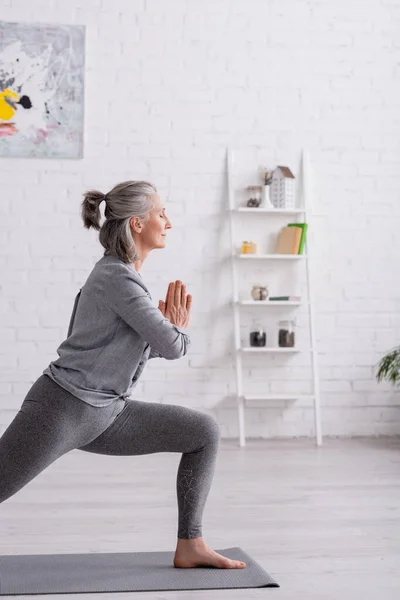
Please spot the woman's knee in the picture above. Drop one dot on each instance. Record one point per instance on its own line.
(211, 428)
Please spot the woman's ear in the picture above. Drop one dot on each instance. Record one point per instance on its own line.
(135, 224)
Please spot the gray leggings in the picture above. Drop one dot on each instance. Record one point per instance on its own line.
(51, 422)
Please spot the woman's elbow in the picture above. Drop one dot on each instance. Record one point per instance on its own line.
(177, 351)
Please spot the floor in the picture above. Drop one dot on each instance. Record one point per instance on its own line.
(323, 521)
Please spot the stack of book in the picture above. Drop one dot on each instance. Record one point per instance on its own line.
(280, 298)
(292, 239)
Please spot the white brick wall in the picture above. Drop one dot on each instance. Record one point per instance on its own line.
(168, 87)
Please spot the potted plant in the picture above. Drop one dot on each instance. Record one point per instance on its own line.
(389, 367)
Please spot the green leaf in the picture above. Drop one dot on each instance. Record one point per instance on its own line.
(389, 367)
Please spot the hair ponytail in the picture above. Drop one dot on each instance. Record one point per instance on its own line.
(90, 209)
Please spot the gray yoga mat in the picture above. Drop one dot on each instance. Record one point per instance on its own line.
(122, 572)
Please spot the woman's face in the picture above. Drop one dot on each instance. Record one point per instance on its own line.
(153, 233)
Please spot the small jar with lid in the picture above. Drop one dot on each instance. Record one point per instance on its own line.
(286, 333)
(249, 248)
(258, 336)
(255, 196)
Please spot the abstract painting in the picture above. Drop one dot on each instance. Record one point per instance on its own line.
(41, 90)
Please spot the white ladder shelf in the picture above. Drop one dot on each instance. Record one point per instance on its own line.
(239, 350)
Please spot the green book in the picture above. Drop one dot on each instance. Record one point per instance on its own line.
(280, 298)
(304, 227)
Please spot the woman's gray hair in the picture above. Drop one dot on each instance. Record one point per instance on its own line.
(125, 200)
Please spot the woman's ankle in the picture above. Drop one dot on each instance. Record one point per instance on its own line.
(191, 542)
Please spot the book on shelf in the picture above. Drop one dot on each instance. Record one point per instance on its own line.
(289, 240)
(304, 227)
(292, 238)
(280, 298)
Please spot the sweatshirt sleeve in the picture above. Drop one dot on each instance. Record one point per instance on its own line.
(155, 354)
(129, 300)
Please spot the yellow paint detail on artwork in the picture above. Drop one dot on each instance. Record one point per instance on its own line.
(6, 111)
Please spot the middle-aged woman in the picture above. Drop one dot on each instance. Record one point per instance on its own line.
(81, 400)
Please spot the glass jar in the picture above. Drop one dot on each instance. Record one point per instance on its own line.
(246, 248)
(286, 334)
(258, 336)
(255, 196)
(249, 248)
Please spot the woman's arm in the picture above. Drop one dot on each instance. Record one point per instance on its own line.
(155, 354)
(126, 297)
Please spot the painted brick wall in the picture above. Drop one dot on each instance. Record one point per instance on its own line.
(168, 87)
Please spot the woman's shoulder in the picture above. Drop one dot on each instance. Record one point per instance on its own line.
(112, 272)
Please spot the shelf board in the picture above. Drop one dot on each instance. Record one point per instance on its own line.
(262, 397)
(269, 302)
(271, 211)
(276, 349)
(273, 256)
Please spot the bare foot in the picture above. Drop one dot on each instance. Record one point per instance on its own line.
(187, 557)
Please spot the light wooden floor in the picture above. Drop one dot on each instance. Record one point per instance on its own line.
(325, 522)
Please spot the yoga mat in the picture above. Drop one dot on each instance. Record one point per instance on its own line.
(122, 572)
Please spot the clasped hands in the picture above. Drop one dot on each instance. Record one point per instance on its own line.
(177, 305)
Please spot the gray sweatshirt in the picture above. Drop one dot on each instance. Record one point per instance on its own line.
(114, 329)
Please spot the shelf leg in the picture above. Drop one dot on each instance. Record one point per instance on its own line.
(240, 405)
(307, 201)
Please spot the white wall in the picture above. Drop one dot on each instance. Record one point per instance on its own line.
(168, 87)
